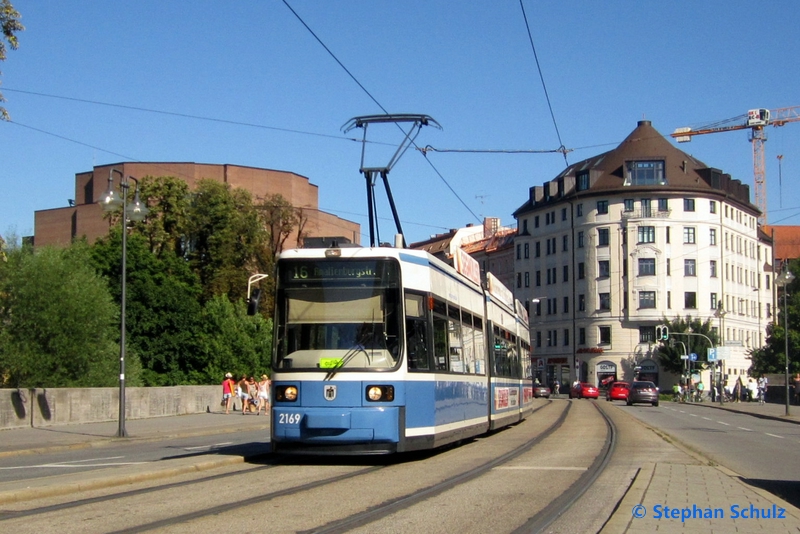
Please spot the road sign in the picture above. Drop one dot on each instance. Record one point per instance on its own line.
(712, 355)
(693, 357)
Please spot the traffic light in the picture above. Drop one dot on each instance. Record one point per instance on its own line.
(252, 303)
(662, 333)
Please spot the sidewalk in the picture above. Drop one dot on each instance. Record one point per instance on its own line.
(29, 440)
(703, 498)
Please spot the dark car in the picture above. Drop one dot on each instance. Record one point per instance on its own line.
(583, 390)
(618, 391)
(540, 390)
(643, 392)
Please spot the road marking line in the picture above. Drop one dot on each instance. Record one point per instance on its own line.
(743, 428)
(693, 415)
(773, 435)
(720, 422)
(707, 418)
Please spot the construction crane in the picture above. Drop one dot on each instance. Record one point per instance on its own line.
(755, 120)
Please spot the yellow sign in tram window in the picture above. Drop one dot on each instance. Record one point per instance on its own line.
(330, 363)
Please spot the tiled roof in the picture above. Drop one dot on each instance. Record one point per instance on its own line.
(786, 242)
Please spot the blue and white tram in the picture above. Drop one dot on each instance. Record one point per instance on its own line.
(382, 350)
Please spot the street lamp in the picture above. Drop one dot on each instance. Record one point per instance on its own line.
(783, 280)
(136, 211)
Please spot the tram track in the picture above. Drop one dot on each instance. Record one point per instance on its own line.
(294, 481)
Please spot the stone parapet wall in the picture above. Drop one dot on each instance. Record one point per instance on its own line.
(65, 406)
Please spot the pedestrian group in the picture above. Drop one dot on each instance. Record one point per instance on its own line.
(253, 395)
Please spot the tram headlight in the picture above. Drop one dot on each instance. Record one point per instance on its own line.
(380, 393)
(286, 393)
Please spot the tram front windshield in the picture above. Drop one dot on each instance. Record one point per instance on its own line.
(336, 314)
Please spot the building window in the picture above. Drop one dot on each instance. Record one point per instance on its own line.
(566, 305)
(714, 301)
(647, 266)
(690, 300)
(581, 336)
(688, 204)
(602, 207)
(647, 234)
(583, 181)
(565, 243)
(525, 227)
(519, 280)
(536, 222)
(628, 203)
(667, 234)
(663, 204)
(713, 206)
(579, 210)
(669, 273)
(538, 307)
(647, 299)
(566, 337)
(605, 334)
(581, 271)
(581, 302)
(689, 267)
(602, 237)
(688, 235)
(563, 211)
(603, 269)
(604, 301)
(519, 251)
(713, 267)
(527, 250)
(646, 173)
(580, 239)
(566, 273)
(712, 236)
(538, 339)
(527, 279)
(538, 278)
(647, 334)
(537, 249)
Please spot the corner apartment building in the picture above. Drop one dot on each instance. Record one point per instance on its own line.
(84, 217)
(615, 243)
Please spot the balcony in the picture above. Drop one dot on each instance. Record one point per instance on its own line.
(646, 214)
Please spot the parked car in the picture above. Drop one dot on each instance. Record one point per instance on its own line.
(618, 391)
(583, 390)
(540, 390)
(643, 392)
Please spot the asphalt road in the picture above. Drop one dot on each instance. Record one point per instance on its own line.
(26, 467)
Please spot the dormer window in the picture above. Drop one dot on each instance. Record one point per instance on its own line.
(583, 180)
(646, 173)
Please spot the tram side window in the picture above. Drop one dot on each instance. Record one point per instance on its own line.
(417, 333)
(440, 349)
(468, 342)
(454, 340)
(480, 346)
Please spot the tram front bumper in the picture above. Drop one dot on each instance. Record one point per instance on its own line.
(336, 425)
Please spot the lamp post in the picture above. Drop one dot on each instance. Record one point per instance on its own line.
(783, 280)
(136, 211)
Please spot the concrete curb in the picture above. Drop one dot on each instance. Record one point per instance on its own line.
(619, 520)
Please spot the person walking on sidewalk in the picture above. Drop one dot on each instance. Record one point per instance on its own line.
(241, 390)
(263, 394)
(228, 386)
(762, 389)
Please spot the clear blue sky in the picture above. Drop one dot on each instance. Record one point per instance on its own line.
(280, 99)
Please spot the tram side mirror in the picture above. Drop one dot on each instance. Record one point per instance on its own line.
(252, 303)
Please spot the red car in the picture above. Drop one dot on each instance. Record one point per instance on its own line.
(584, 390)
(618, 391)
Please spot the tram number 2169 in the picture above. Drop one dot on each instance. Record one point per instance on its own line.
(289, 418)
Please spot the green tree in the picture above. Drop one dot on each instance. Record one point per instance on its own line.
(59, 322)
(10, 24)
(169, 201)
(235, 342)
(669, 353)
(224, 239)
(771, 358)
(163, 309)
